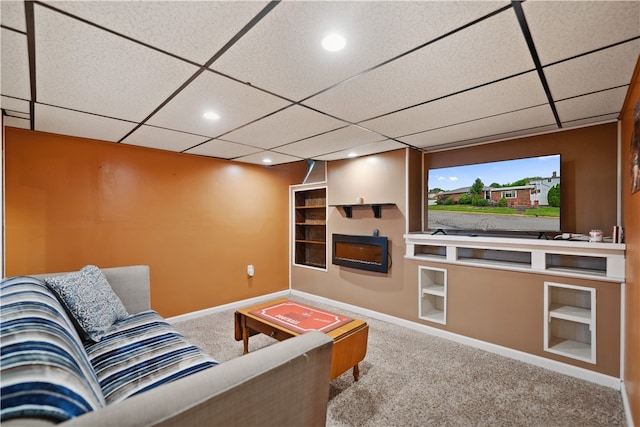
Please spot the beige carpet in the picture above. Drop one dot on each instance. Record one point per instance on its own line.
(412, 379)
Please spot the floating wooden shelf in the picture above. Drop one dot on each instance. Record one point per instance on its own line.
(376, 207)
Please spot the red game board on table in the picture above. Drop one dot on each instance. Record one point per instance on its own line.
(301, 318)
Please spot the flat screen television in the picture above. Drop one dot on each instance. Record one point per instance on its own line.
(519, 195)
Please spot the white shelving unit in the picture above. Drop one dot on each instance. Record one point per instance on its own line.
(570, 321)
(594, 261)
(432, 284)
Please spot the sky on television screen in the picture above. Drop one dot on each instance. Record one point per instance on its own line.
(504, 172)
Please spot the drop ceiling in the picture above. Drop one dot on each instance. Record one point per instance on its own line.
(430, 75)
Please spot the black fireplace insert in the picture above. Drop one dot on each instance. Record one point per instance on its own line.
(362, 252)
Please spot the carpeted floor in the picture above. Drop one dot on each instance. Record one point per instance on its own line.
(409, 378)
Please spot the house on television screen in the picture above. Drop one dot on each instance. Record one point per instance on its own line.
(533, 194)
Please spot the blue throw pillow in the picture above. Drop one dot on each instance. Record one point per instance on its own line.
(88, 297)
(44, 369)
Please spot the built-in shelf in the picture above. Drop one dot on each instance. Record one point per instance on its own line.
(432, 283)
(570, 321)
(567, 312)
(375, 207)
(312, 242)
(591, 260)
(310, 227)
(433, 290)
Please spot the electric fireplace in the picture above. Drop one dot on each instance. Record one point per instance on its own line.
(361, 252)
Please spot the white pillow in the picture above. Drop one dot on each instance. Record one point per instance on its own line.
(89, 299)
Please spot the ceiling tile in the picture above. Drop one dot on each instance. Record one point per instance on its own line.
(287, 42)
(364, 150)
(291, 124)
(561, 29)
(89, 70)
(607, 118)
(601, 70)
(235, 103)
(593, 105)
(492, 127)
(487, 51)
(341, 139)
(222, 149)
(19, 115)
(495, 138)
(275, 158)
(12, 15)
(205, 26)
(74, 123)
(512, 94)
(16, 122)
(14, 104)
(164, 139)
(15, 65)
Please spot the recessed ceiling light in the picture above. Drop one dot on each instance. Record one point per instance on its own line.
(352, 154)
(266, 160)
(211, 115)
(333, 42)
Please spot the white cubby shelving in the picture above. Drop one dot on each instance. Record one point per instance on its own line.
(432, 283)
(589, 260)
(570, 321)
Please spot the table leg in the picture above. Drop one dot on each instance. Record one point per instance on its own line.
(356, 373)
(245, 339)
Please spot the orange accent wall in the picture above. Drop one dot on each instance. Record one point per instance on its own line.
(631, 213)
(197, 222)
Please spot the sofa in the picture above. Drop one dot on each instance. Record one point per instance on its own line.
(132, 368)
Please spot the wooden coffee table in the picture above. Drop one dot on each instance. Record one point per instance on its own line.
(349, 339)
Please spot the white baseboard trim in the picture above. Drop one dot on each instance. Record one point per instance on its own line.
(230, 306)
(627, 405)
(563, 368)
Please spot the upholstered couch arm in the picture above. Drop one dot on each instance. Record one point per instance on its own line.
(284, 384)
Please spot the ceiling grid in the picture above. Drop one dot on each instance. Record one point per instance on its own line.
(430, 75)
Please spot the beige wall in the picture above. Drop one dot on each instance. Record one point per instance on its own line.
(377, 179)
(504, 308)
(631, 215)
(415, 192)
(197, 222)
(507, 308)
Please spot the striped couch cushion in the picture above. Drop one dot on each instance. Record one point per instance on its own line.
(142, 352)
(44, 368)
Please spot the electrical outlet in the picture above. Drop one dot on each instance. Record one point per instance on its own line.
(250, 270)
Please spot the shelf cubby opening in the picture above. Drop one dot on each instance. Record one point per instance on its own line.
(570, 339)
(494, 256)
(433, 308)
(562, 262)
(563, 296)
(431, 251)
(314, 234)
(433, 294)
(311, 253)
